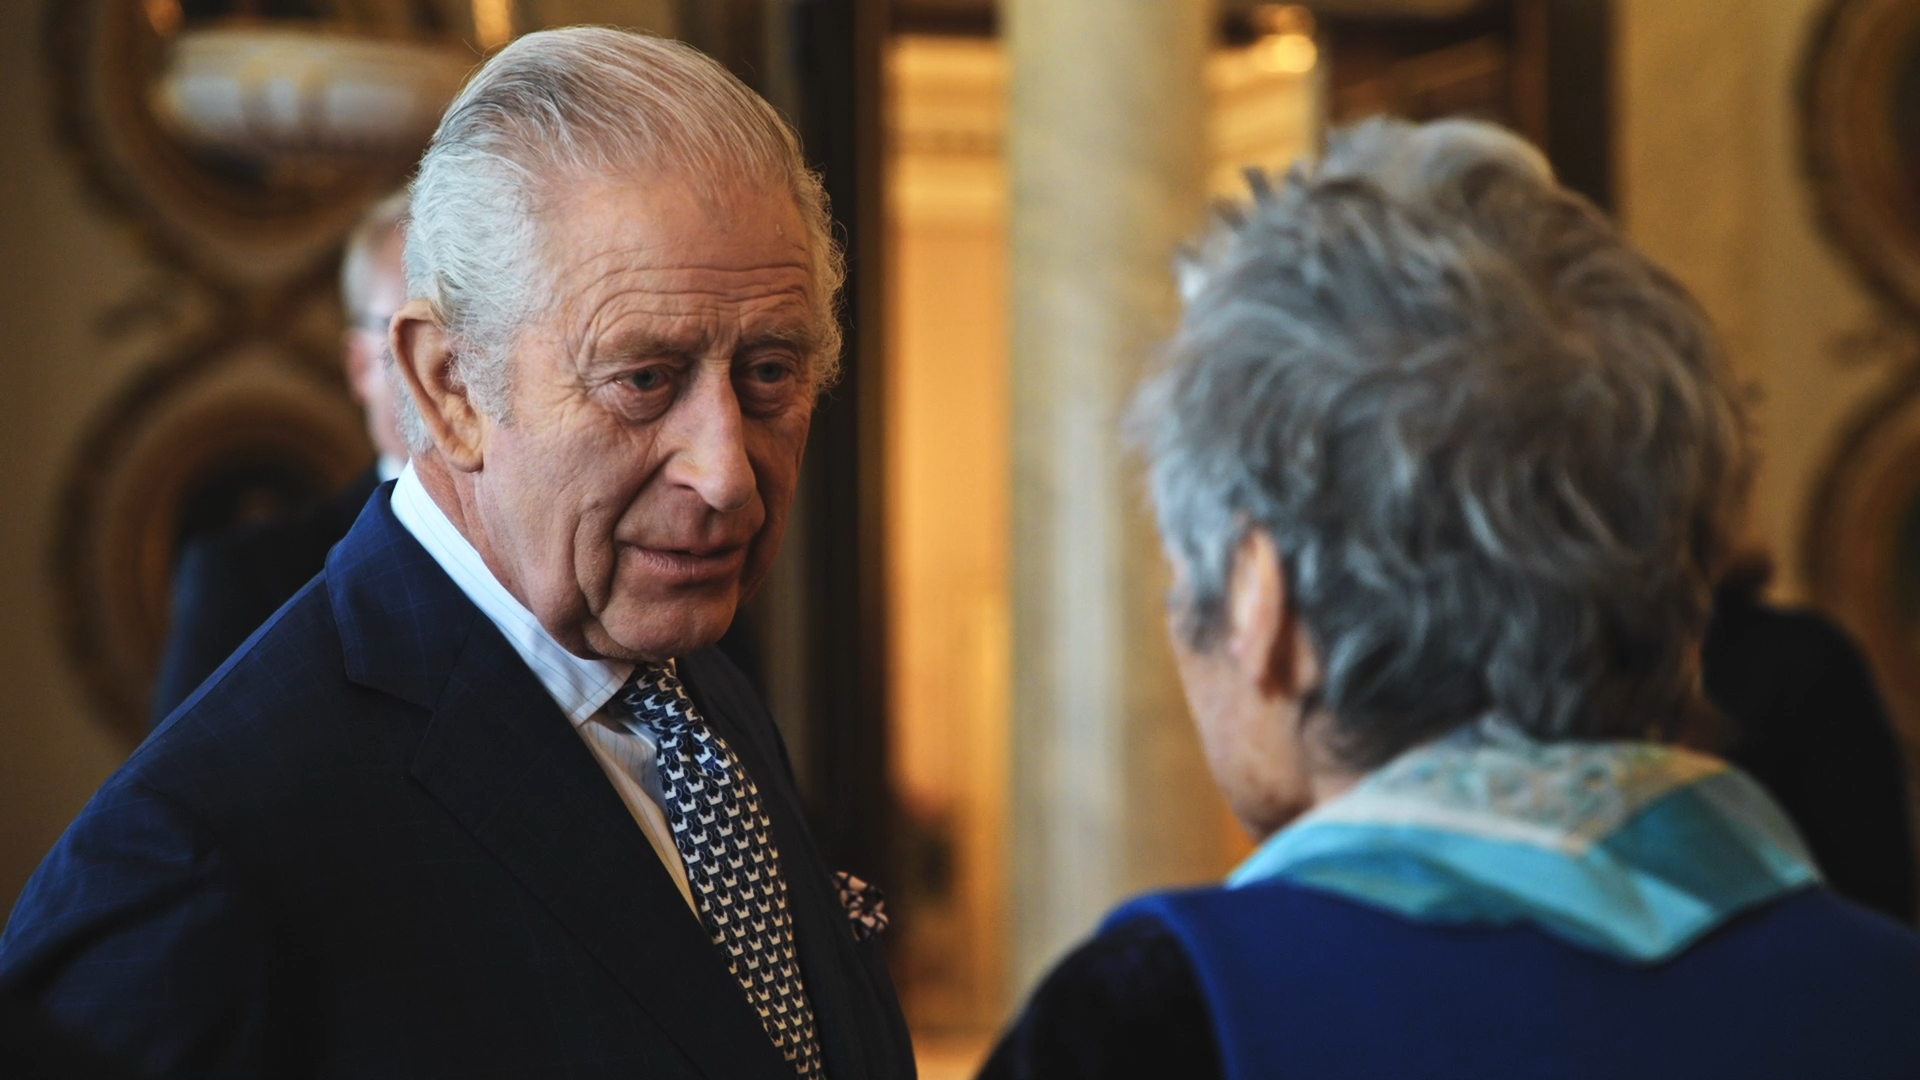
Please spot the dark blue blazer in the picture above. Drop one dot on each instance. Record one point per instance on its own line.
(1303, 983)
(371, 845)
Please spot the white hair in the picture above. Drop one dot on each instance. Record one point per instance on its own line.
(1498, 449)
(559, 106)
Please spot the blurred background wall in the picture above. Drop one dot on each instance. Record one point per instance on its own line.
(1712, 183)
(1762, 156)
(914, 646)
(66, 270)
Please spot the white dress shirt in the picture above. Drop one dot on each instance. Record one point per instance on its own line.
(581, 687)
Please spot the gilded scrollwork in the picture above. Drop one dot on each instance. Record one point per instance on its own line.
(242, 408)
(1860, 140)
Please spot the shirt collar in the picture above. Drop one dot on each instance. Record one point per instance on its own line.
(388, 467)
(578, 685)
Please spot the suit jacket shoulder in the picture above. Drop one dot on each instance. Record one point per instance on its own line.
(1125, 1005)
(371, 842)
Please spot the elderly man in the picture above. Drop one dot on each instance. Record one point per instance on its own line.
(229, 583)
(481, 800)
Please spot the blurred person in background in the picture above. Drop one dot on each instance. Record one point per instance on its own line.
(1809, 724)
(227, 584)
(481, 799)
(1446, 472)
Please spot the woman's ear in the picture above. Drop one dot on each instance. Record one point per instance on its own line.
(1264, 633)
(423, 352)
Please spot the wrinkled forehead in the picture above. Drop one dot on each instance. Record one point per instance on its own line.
(628, 255)
(597, 224)
(720, 197)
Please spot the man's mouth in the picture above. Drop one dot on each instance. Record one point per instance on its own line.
(692, 566)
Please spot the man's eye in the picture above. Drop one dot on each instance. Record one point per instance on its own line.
(769, 372)
(647, 380)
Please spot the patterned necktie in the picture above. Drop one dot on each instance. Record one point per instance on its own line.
(726, 841)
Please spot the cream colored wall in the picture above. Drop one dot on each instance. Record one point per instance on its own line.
(1710, 185)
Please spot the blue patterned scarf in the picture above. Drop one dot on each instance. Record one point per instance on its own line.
(1632, 849)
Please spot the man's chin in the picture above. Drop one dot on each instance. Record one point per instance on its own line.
(651, 633)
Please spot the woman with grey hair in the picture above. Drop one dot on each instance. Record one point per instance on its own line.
(1445, 471)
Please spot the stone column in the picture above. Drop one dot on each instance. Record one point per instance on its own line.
(1107, 151)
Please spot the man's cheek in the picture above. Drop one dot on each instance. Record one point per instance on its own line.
(776, 473)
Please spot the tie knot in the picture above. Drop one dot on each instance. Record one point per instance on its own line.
(654, 696)
(656, 699)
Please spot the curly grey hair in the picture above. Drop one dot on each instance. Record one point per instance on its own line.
(1497, 448)
(583, 102)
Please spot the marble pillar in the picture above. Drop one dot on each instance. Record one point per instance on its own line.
(1107, 152)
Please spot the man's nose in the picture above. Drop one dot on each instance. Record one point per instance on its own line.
(712, 458)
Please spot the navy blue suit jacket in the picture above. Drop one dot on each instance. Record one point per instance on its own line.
(371, 845)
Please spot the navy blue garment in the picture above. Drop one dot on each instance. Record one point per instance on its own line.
(29, 1050)
(228, 583)
(370, 845)
(1298, 983)
(1809, 724)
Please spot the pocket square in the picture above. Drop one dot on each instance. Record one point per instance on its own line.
(866, 905)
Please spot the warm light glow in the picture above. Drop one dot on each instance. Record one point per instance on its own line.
(948, 492)
(492, 22)
(1282, 19)
(947, 410)
(1286, 54)
(1259, 118)
(164, 15)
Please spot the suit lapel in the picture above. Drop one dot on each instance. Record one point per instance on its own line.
(506, 764)
(503, 760)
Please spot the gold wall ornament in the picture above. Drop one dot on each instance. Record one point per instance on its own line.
(1862, 543)
(1860, 139)
(245, 216)
(220, 430)
(242, 149)
(305, 98)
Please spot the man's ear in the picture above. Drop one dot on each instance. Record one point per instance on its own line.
(1268, 643)
(423, 352)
